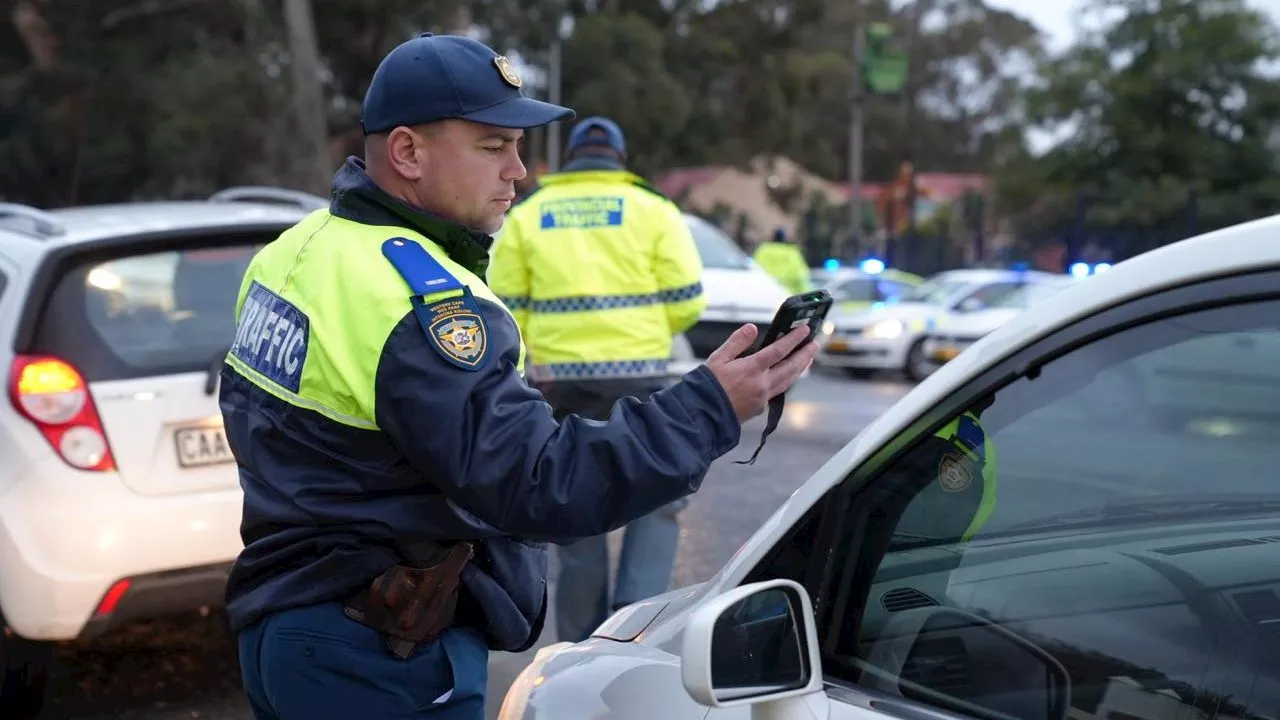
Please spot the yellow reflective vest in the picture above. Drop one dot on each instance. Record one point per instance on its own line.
(600, 271)
(786, 264)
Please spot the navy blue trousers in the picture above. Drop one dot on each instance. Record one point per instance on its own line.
(315, 663)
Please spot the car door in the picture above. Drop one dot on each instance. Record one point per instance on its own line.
(147, 325)
(1014, 556)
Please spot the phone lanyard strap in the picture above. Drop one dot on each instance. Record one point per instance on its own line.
(771, 424)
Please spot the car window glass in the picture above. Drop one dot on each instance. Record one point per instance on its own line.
(890, 289)
(147, 313)
(936, 290)
(1120, 511)
(993, 292)
(857, 289)
(716, 248)
(1030, 294)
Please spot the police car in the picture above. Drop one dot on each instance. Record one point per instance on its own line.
(1128, 567)
(890, 336)
(860, 288)
(950, 334)
(119, 498)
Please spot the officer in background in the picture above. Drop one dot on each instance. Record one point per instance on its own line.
(601, 272)
(399, 475)
(785, 262)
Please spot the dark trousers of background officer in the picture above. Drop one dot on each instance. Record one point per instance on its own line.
(649, 545)
(315, 663)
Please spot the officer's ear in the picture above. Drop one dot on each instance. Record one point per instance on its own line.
(405, 151)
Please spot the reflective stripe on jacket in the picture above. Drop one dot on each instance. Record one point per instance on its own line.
(601, 272)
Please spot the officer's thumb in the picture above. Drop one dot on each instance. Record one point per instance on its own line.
(735, 345)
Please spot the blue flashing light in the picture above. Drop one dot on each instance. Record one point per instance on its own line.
(1101, 268)
(872, 266)
(831, 265)
(1019, 267)
(1079, 269)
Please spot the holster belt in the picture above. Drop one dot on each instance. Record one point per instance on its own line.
(412, 606)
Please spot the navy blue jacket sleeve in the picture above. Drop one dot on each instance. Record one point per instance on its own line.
(489, 442)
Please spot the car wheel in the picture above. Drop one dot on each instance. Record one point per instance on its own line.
(25, 665)
(918, 366)
(858, 373)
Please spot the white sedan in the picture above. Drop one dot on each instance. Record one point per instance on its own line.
(890, 336)
(1114, 564)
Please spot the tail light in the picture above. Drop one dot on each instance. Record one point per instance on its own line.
(53, 395)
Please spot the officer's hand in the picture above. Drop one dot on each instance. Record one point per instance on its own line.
(751, 381)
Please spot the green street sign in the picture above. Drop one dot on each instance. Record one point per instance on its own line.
(884, 64)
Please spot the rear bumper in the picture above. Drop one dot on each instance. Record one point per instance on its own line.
(159, 594)
(67, 537)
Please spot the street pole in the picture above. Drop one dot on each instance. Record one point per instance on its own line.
(553, 96)
(855, 148)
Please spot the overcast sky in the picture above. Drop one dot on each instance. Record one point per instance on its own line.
(1056, 17)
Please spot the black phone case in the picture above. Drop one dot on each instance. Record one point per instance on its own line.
(808, 307)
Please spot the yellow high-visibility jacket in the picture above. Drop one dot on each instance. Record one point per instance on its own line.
(600, 271)
(786, 264)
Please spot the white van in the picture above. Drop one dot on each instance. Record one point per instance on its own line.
(739, 291)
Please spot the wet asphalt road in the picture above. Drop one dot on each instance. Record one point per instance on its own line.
(186, 668)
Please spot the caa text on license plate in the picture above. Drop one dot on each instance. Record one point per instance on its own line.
(199, 446)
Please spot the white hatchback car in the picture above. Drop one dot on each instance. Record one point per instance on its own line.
(119, 498)
(1127, 568)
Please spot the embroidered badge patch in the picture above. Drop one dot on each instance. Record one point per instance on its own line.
(272, 337)
(456, 330)
(955, 472)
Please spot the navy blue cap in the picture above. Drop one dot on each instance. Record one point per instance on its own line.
(582, 136)
(442, 77)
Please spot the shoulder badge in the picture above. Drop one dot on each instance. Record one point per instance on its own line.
(453, 323)
(507, 71)
(955, 472)
(456, 329)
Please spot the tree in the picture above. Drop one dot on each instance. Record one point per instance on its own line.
(1166, 105)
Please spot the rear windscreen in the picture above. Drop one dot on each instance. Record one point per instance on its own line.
(147, 313)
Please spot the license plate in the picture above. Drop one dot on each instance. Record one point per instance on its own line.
(837, 346)
(945, 354)
(199, 446)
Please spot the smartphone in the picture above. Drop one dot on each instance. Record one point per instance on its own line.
(808, 308)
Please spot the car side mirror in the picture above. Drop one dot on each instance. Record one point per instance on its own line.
(756, 645)
(917, 650)
(971, 304)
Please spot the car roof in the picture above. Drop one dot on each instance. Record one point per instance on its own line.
(93, 222)
(978, 275)
(30, 230)
(1236, 250)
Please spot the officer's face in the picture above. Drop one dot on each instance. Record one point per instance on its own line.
(468, 172)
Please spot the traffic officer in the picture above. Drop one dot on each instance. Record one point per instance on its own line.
(785, 263)
(601, 271)
(400, 477)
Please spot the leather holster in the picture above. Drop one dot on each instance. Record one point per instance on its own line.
(411, 606)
